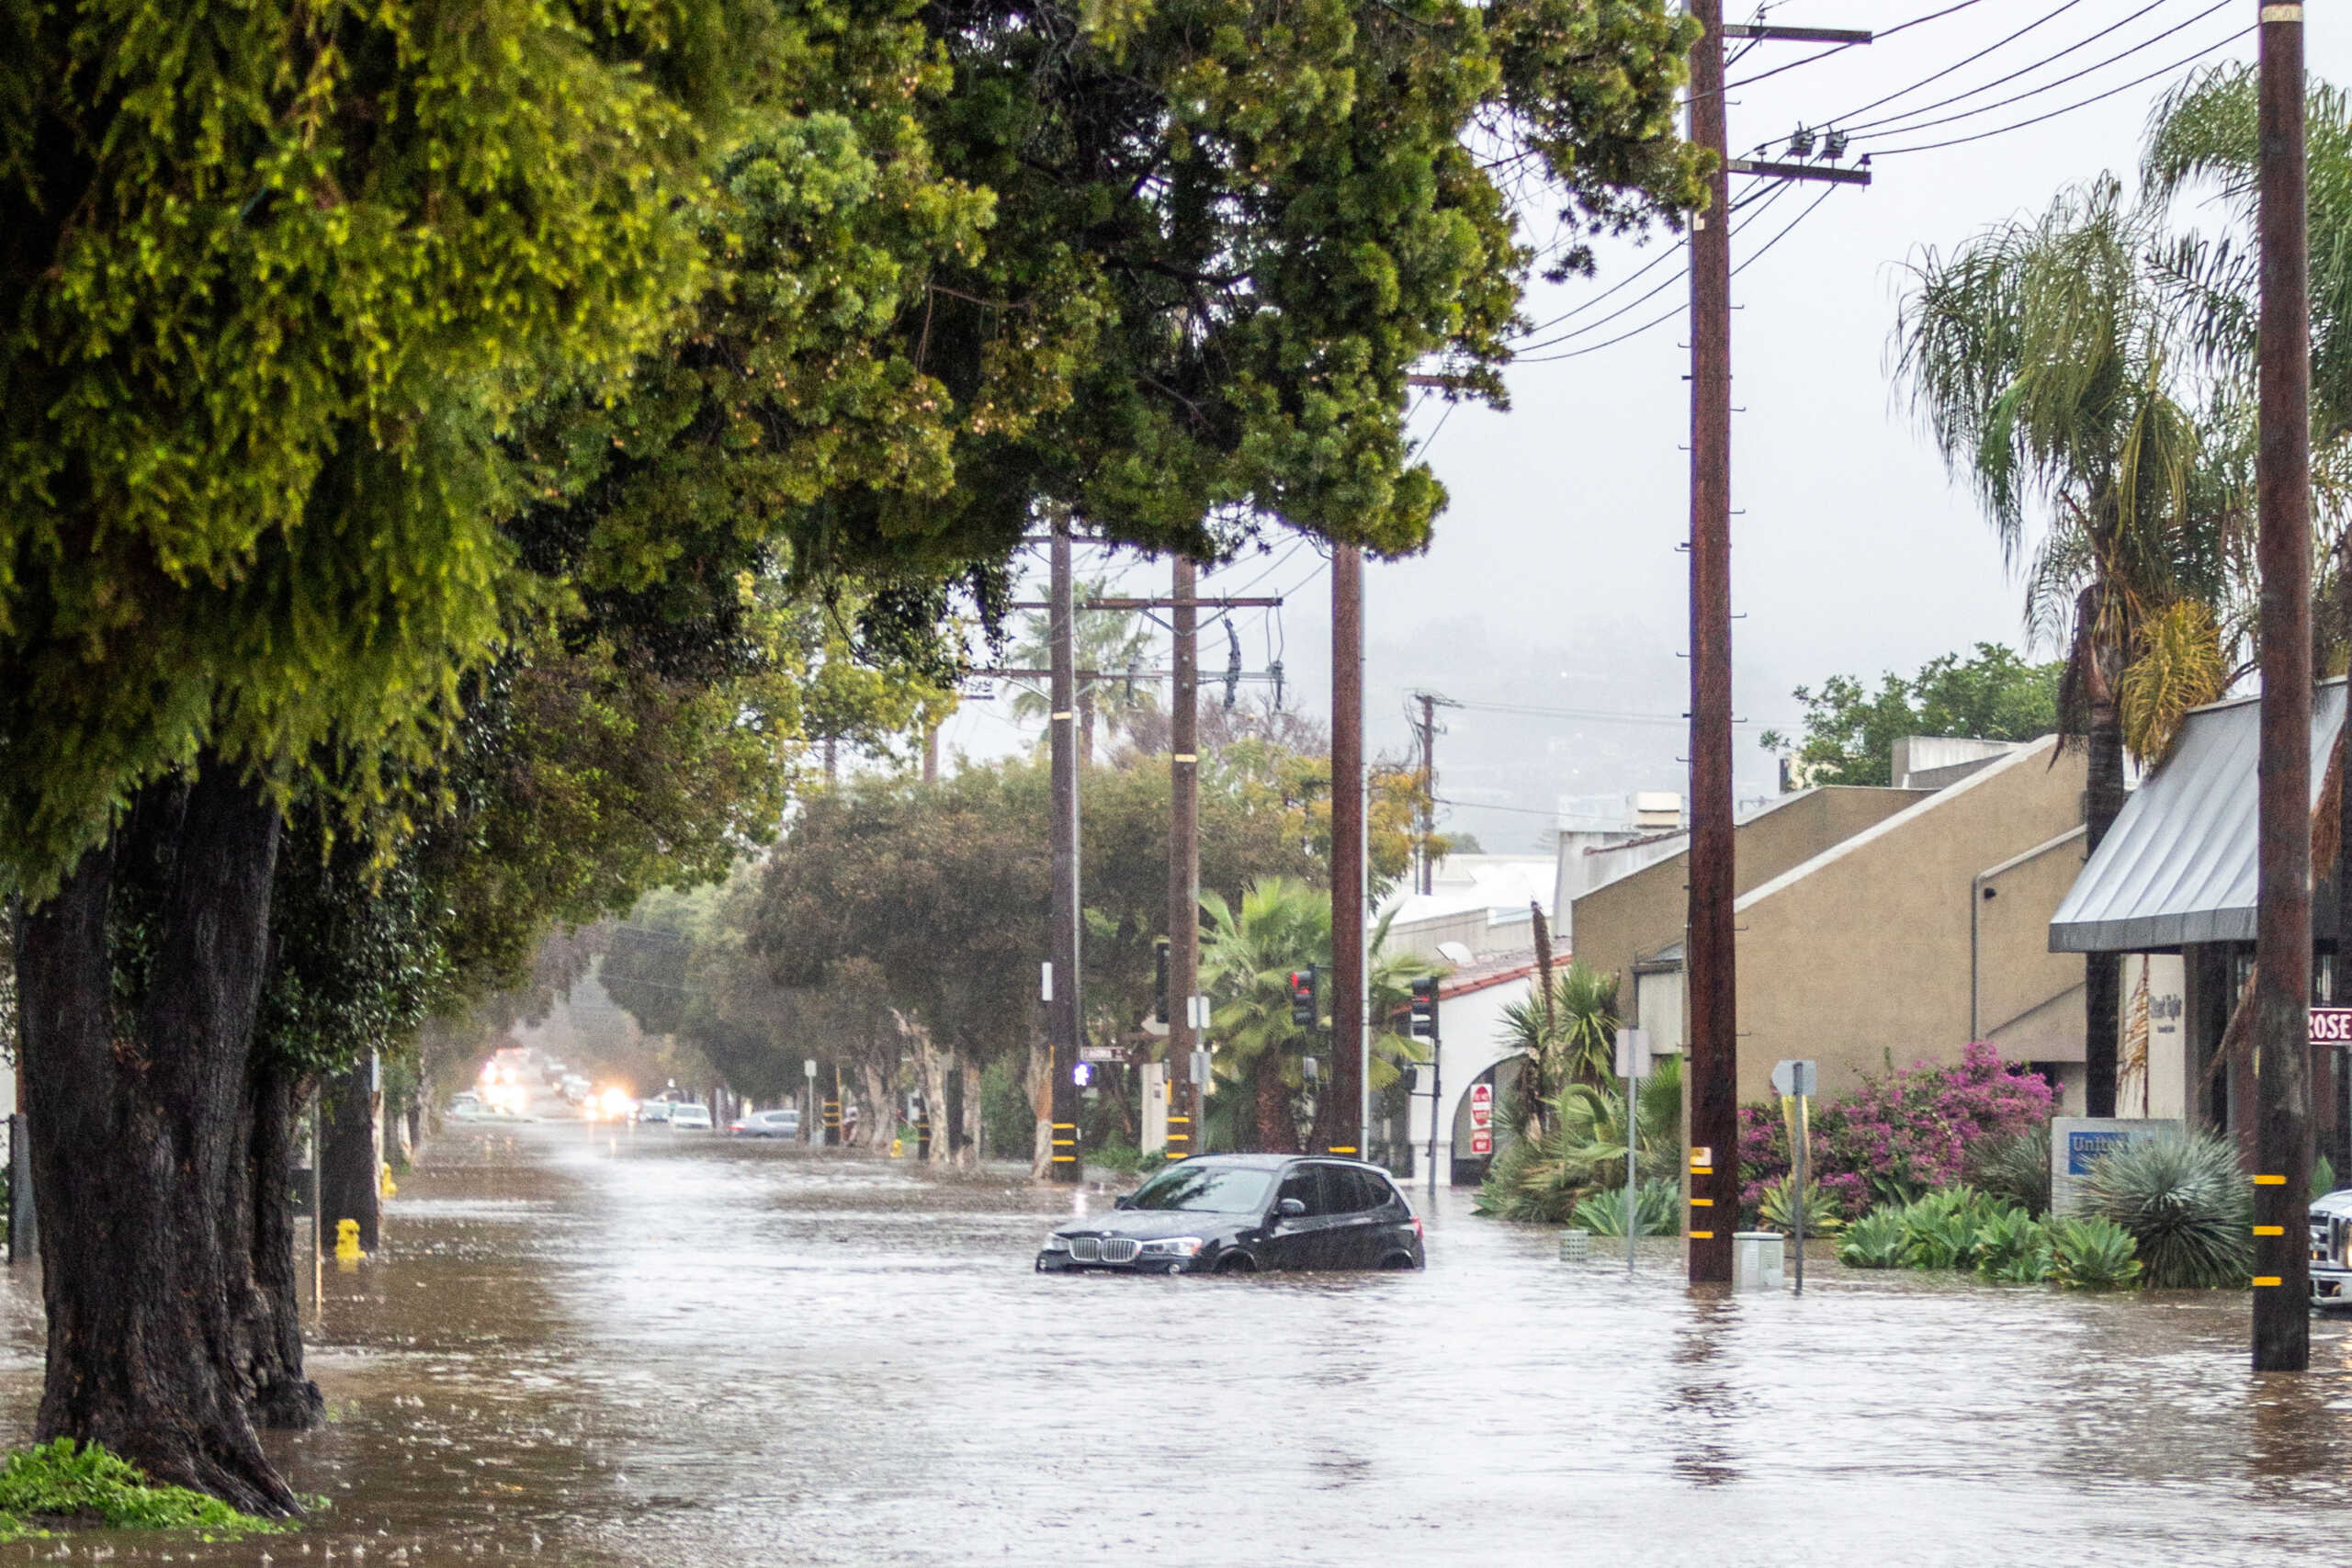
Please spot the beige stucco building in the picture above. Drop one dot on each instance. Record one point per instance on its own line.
(1878, 927)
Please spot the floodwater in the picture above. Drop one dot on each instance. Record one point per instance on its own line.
(599, 1347)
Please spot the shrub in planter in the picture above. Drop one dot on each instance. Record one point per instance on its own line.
(2091, 1255)
(2012, 1248)
(1875, 1241)
(2186, 1205)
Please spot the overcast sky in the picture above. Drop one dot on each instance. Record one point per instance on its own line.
(1555, 577)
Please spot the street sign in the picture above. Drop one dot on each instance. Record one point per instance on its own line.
(1482, 1142)
(1633, 1053)
(1199, 1014)
(1090, 1052)
(1482, 1110)
(809, 1067)
(2332, 1026)
(1201, 1068)
(1794, 1078)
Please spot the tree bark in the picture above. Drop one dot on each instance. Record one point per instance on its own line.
(351, 1166)
(1041, 1103)
(880, 1122)
(138, 1118)
(975, 1117)
(269, 1301)
(2103, 972)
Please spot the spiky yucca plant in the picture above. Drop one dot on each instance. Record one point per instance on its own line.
(2186, 1205)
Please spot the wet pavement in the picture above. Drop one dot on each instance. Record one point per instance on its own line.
(615, 1348)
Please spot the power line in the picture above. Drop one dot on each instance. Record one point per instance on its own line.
(1840, 48)
(1959, 64)
(1599, 716)
(1659, 320)
(2149, 43)
(1759, 202)
(2082, 103)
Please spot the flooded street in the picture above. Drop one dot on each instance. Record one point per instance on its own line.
(648, 1347)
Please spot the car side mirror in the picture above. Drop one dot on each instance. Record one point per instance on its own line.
(1122, 1201)
(1291, 1207)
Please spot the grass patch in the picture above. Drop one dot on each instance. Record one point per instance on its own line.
(58, 1483)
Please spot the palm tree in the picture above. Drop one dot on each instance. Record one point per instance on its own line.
(2043, 358)
(2204, 137)
(1110, 641)
(1246, 957)
(1572, 1041)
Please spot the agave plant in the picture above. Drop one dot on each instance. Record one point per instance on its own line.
(1877, 1240)
(2091, 1255)
(1657, 1206)
(1778, 1208)
(2187, 1207)
(2013, 1248)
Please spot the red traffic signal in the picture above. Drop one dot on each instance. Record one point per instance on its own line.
(1304, 1005)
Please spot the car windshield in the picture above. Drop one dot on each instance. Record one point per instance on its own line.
(1201, 1189)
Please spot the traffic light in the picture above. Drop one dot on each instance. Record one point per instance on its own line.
(1159, 983)
(1305, 1006)
(1424, 1014)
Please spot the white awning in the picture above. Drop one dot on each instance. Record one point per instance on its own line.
(2178, 865)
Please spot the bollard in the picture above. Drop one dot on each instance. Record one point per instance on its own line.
(1756, 1260)
(1574, 1245)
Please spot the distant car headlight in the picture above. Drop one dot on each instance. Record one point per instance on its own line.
(1173, 1247)
(1056, 1243)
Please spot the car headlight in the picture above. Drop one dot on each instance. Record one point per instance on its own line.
(1172, 1247)
(1056, 1243)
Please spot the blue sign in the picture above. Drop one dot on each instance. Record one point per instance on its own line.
(2086, 1148)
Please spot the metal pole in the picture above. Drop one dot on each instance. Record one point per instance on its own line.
(318, 1203)
(1349, 1039)
(1714, 1028)
(1184, 864)
(1064, 1016)
(1805, 1137)
(1632, 1205)
(1437, 1097)
(2283, 906)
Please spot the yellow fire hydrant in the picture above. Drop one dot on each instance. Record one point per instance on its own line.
(384, 1183)
(346, 1241)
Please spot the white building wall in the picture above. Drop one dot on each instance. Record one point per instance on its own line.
(1470, 1030)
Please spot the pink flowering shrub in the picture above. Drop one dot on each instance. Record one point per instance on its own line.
(1896, 1137)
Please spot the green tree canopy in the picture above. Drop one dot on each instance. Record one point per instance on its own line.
(1850, 731)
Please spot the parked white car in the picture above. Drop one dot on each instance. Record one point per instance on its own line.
(688, 1117)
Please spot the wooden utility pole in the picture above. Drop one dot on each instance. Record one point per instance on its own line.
(1708, 946)
(1429, 792)
(1065, 1013)
(2283, 913)
(1344, 1121)
(1184, 862)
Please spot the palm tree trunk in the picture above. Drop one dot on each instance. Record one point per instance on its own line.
(1277, 1128)
(2103, 972)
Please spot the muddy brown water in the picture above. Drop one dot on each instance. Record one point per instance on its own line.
(599, 1347)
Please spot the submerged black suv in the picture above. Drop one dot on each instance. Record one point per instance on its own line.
(1237, 1213)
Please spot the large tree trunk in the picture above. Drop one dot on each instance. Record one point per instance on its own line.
(880, 1122)
(351, 1166)
(1277, 1127)
(269, 1302)
(137, 1121)
(2103, 972)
